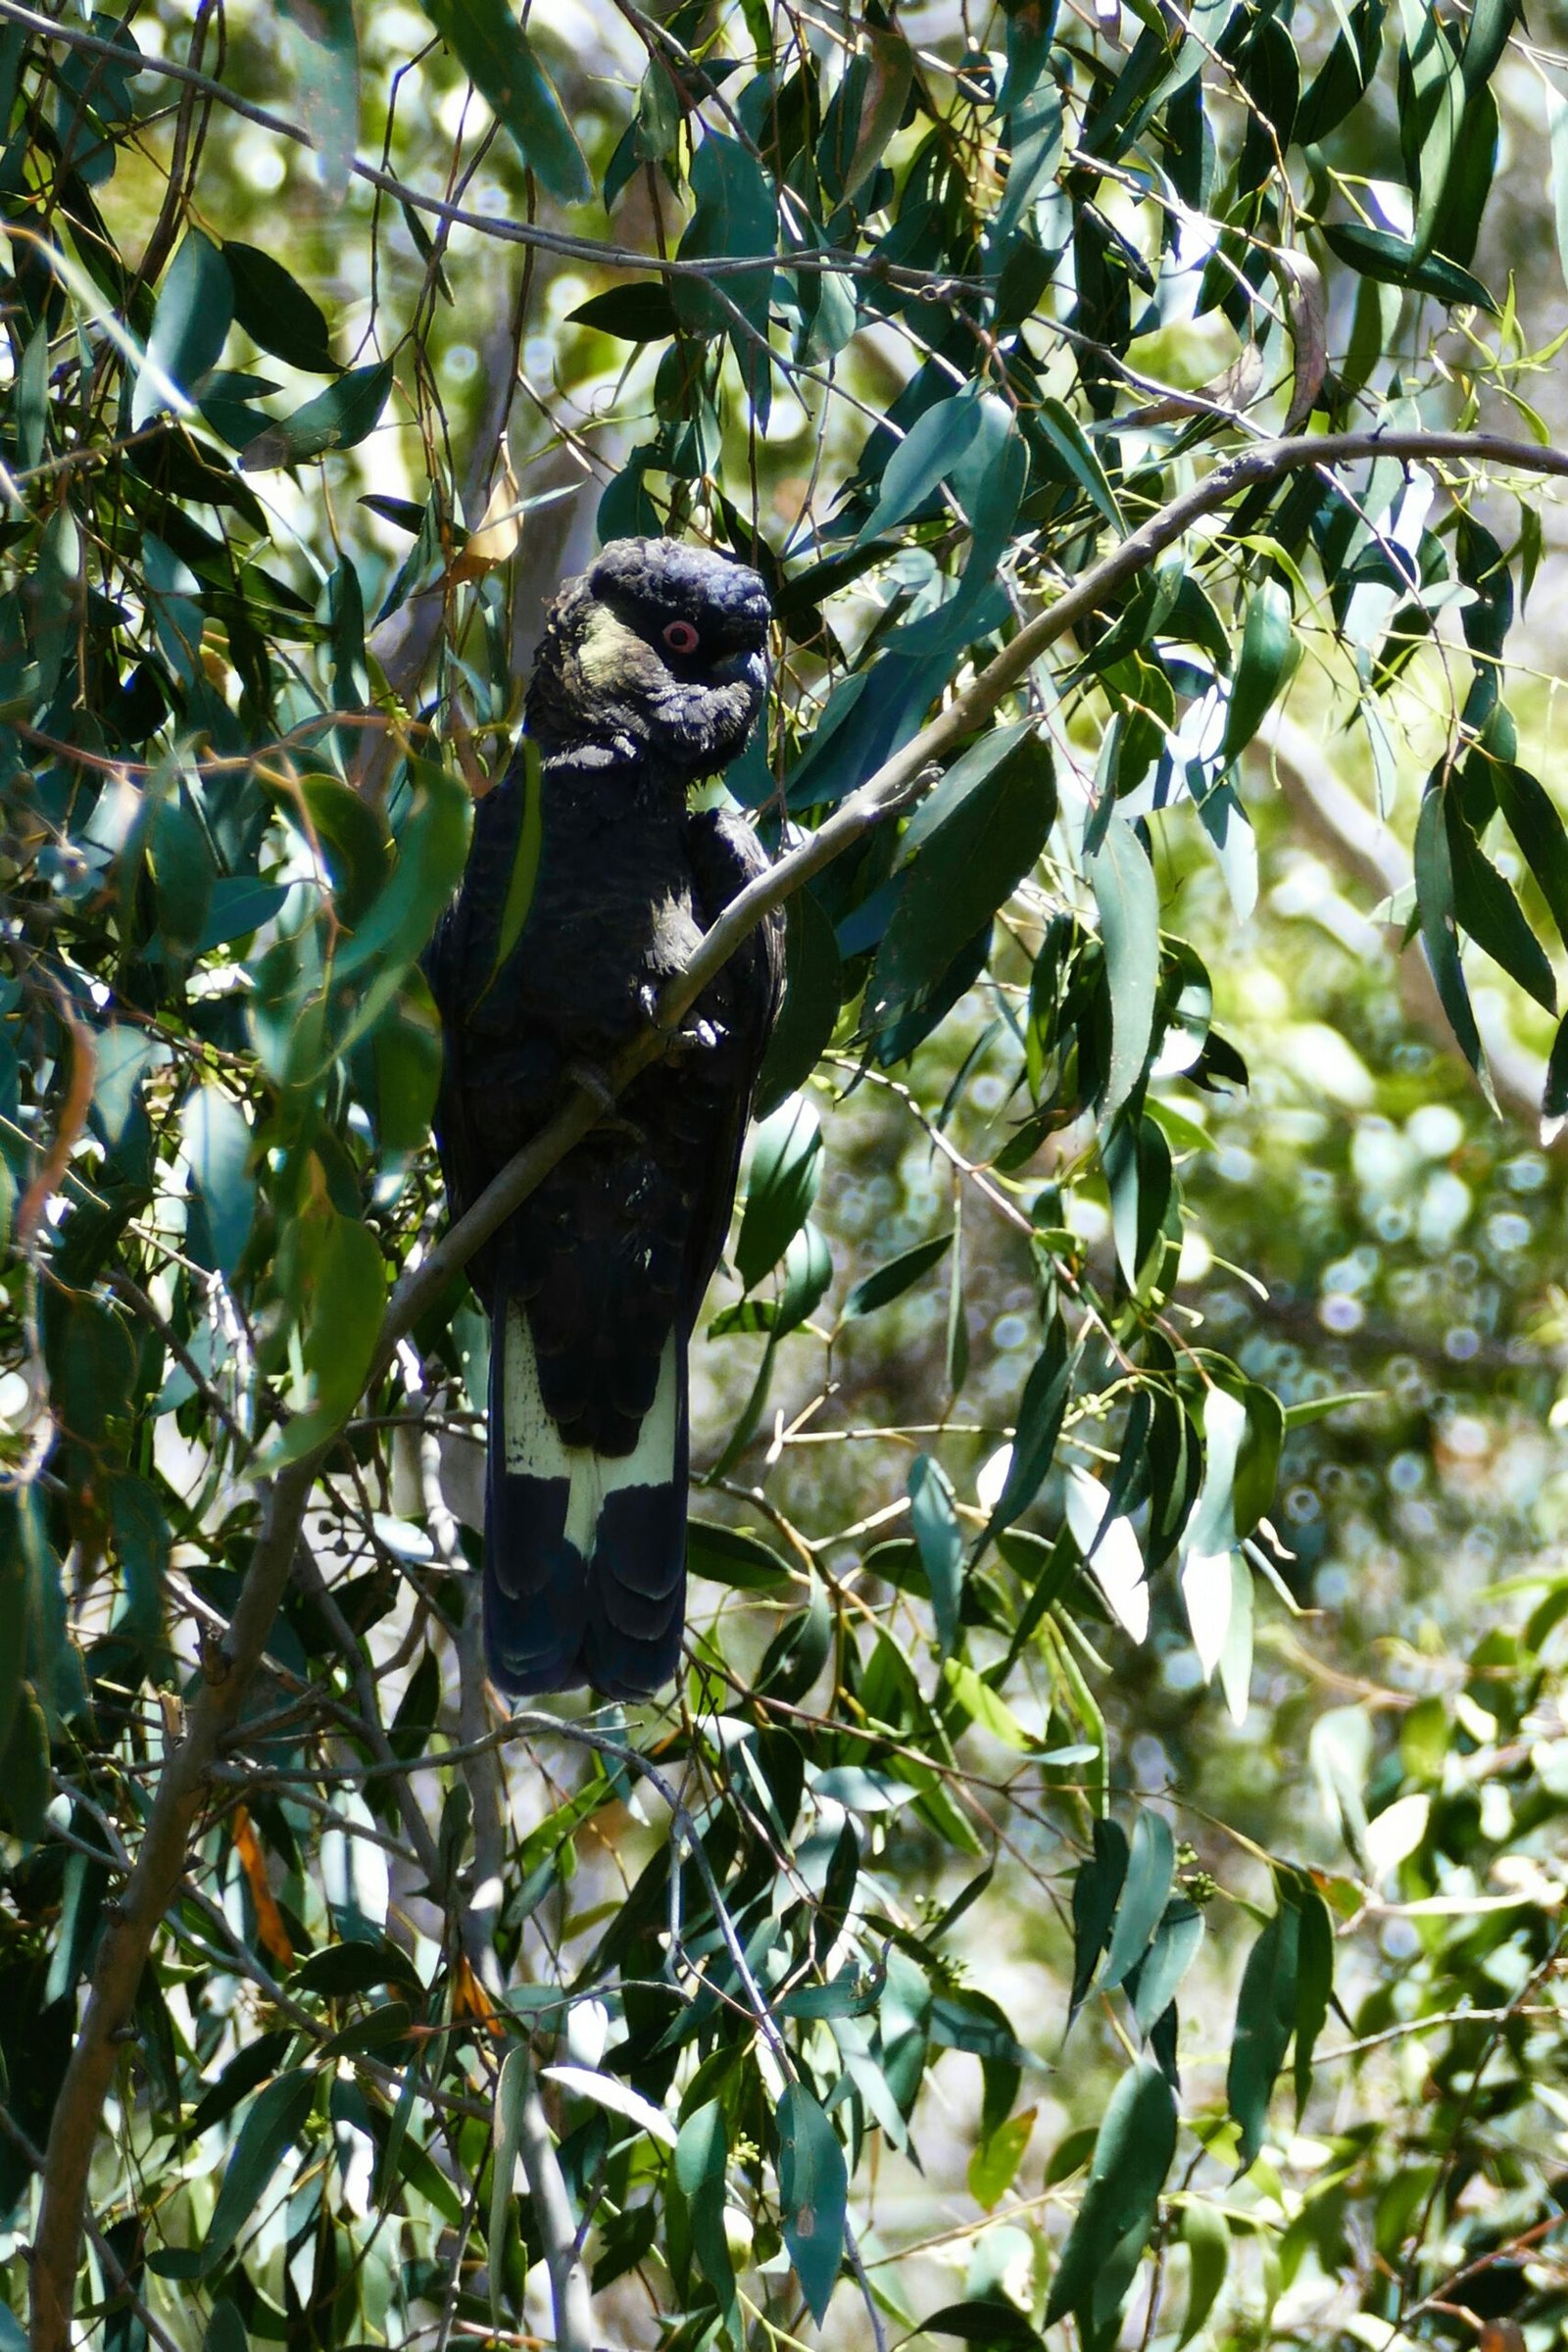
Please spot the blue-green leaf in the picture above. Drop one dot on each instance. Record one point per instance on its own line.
(498, 57)
(934, 1516)
(813, 2190)
(195, 305)
(1133, 2151)
(1128, 899)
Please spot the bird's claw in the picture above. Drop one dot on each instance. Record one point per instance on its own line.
(593, 1082)
(696, 1036)
(596, 1086)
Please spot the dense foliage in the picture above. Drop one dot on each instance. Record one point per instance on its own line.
(1133, 1290)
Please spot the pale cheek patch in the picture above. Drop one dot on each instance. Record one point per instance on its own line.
(611, 654)
(533, 1446)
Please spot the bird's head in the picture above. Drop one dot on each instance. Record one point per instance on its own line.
(655, 656)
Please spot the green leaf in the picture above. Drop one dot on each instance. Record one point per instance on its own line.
(934, 1516)
(1170, 1955)
(183, 875)
(14, 1611)
(1208, 2237)
(701, 2156)
(24, 1787)
(967, 867)
(505, 2132)
(1096, 1891)
(814, 988)
(898, 1275)
(273, 2125)
(328, 85)
(1146, 1890)
(1265, 2019)
(1530, 815)
(921, 462)
(1314, 1982)
(1554, 1095)
(731, 1555)
(641, 312)
(226, 2329)
(1268, 640)
(965, 776)
(1393, 262)
(995, 2163)
(786, 1170)
(90, 1361)
(1133, 2151)
(1065, 434)
(353, 836)
(236, 907)
(735, 218)
(1434, 883)
(216, 1144)
(807, 1274)
(1128, 900)
(1485, 907)
(813, 2190)
(340, 1970)
(495, 53)
(337, 418)
(1000, 2327)
(1040, 1416)
(195, 305)
(432, 849)
(276, 312)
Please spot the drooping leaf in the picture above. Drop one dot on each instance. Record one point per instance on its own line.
(498, 57)
(813, 2190)
(329, 84)
(701, 2156)
(786, 1170)
(967, 866)
(1128, 899)
(274, 2123)
(1267, 642)
(813, 993)
(195, 305)
(934, 1517)
(1146, 1889)
(1133, 2151)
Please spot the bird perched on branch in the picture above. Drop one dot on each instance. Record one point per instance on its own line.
(588, 884)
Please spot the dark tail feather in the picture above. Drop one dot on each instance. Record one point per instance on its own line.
(637, 1591)
(553, 1618)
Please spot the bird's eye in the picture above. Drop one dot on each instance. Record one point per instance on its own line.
(680, 637)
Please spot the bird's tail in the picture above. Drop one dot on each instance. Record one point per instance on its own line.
(585, 1553)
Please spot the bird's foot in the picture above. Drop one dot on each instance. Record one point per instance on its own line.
(695, 1034)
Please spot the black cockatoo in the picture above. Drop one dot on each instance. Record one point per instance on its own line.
(588, 884)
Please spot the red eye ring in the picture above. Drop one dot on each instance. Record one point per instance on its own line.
(680, 637)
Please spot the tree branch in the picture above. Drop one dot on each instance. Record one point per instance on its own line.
(160, 1864)
(131, 1922)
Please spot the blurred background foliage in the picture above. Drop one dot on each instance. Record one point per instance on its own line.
(1120, 1116)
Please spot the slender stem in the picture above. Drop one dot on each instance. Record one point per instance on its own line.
(547, 2185)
